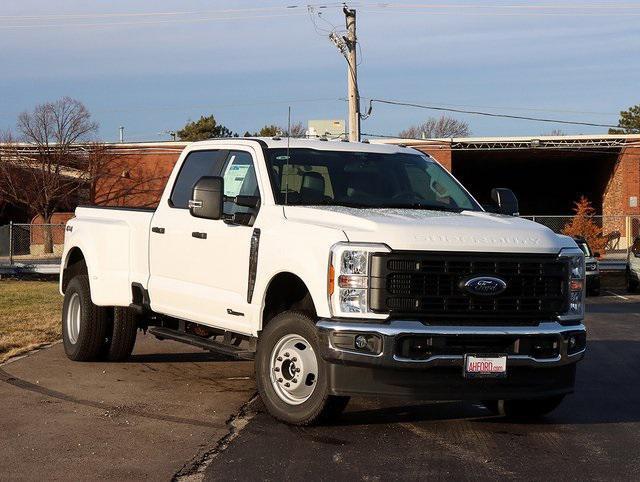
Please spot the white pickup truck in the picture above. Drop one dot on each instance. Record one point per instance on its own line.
(343, 268)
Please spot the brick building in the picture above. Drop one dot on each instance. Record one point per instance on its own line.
(548, 173)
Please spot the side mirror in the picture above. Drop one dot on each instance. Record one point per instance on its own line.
(207, 198)
(596, 254)
(506, 201)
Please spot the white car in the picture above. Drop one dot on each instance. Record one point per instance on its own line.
(343, 269)
(632, 273)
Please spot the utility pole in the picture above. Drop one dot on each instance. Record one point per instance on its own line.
(171, 133)
(352, 75)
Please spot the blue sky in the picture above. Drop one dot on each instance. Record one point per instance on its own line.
(154, 73)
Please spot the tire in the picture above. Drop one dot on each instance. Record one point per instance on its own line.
(283, 348)
(123, 337)
(84, 325)
(524, 408)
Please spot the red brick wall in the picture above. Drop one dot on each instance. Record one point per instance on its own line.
(57, 233)
(442, 154)
(624, 183)
(136, 178)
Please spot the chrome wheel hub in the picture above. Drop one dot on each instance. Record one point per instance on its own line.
(73, 318)
(293, 369)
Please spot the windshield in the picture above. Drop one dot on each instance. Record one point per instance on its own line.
(310, 177)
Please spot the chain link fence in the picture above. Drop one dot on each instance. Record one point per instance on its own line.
(31, 244)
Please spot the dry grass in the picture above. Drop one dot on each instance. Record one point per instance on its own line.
(29, 316)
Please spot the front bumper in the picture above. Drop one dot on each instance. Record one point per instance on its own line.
(440, 376)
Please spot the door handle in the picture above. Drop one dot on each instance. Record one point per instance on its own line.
(198, 235)
(158, 230)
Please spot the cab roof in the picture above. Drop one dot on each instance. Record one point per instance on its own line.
(300, 143)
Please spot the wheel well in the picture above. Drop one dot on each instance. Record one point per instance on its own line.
(76, 265)
(286, 291)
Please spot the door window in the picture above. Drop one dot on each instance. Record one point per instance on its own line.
(196, 165)
(239, 180)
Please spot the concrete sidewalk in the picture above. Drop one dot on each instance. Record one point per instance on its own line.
(147, 418)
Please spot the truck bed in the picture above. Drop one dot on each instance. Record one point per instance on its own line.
(120, 237)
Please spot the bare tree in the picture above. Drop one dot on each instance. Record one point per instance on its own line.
(50, 173)
(444, 126)
(56, 165)
(554, 132)
(298, 130)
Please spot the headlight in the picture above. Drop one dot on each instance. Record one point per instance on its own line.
(348, 279)
(576, 283)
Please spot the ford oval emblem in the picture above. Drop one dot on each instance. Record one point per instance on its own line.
(484, 285)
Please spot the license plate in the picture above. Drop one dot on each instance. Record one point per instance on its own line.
(486, 366)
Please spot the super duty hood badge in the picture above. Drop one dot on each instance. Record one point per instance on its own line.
(483, 285)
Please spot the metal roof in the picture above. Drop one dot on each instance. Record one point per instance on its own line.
(524, 142)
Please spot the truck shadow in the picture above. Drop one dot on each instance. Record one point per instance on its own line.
(194, 357)
(607, 391)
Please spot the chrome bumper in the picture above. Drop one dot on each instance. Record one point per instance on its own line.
(391, 331)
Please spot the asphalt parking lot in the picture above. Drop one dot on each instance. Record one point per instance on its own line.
(594, 435)
(145, 419)
(173, 411)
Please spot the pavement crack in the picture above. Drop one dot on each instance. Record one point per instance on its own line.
(194, 470)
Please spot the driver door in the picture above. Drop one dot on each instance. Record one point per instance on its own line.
(219, 251)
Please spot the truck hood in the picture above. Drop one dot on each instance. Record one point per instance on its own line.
(414, 229)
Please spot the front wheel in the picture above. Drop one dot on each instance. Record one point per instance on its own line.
(84, 325)
(524, 408)
(291, 375)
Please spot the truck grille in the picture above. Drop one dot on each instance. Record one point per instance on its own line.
(428, 285)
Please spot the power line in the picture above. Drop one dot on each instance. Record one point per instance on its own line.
(493, 107)
(486, 114)
(299, 9)
(174, 13)
(150, 22)
(326, 5)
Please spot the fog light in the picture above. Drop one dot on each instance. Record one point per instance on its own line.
(361, 342)
(366, 343)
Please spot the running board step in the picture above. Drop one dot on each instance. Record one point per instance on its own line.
(205, 344)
